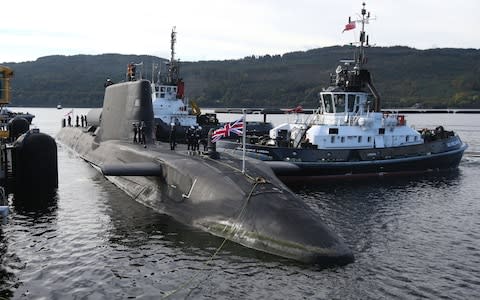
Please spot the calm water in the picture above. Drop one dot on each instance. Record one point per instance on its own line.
(412, 238)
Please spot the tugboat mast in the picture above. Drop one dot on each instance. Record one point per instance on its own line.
(173, 68)
(361, 76)
(173, 40)
(361, 59)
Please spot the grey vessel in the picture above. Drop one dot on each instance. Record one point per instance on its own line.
(252, 208)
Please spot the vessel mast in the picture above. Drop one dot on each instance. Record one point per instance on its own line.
(173, 40)
(173, 68)
(361, 59)
(362, 76)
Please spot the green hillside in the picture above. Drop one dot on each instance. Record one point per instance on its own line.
(435, 78)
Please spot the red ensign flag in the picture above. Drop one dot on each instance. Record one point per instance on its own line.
(349, 26)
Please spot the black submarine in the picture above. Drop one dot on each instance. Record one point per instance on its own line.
(252, 208)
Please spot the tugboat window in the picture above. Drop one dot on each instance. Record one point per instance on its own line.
(357, 104)
(340, 103)
(370, 102)
(328, 102)
(351, 102)
(332, 130)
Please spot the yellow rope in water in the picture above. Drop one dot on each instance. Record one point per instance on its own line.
(185, 284)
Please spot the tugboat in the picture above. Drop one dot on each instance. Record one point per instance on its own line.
(348, 136)
(170, 105)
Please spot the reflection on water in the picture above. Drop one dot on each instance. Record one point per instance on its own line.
(34, 205)
(7, 277)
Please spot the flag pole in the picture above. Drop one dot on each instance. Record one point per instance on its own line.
(244, 138)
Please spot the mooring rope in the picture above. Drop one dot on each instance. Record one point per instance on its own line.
(257, 181)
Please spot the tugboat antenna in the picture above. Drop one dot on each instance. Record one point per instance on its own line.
(173, 65)
(363, 38)
(172, 44)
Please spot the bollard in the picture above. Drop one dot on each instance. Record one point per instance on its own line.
(212, 148)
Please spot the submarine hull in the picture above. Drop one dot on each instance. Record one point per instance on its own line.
(254, 209)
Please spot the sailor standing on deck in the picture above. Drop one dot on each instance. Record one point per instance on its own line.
(131, 70)
(173, 136)
(108, 82)
(135, 132)
(190, 136)
(196, 140)
(142, 133)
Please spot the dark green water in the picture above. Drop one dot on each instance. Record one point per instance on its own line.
(412, 237)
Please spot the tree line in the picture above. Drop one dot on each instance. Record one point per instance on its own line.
(405, 77)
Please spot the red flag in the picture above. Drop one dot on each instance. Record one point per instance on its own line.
(349, 26)
(296, 110)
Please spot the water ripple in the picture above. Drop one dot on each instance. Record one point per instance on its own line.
(414, 237)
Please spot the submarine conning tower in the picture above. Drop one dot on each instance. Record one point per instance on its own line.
(124, 105)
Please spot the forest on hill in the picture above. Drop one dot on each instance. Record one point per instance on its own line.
(405, 77)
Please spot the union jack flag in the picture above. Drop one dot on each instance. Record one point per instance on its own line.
(235, 127)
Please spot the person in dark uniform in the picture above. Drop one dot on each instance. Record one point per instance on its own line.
(173, 136)
(135, 132)
(108, 82)
(134, 71)
(142, 133)
(190, 138)
(69, 121)
(196, 139)
(131, 70)
(77, 123)
(202, 139)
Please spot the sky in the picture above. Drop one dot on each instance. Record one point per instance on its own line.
(226, 29)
